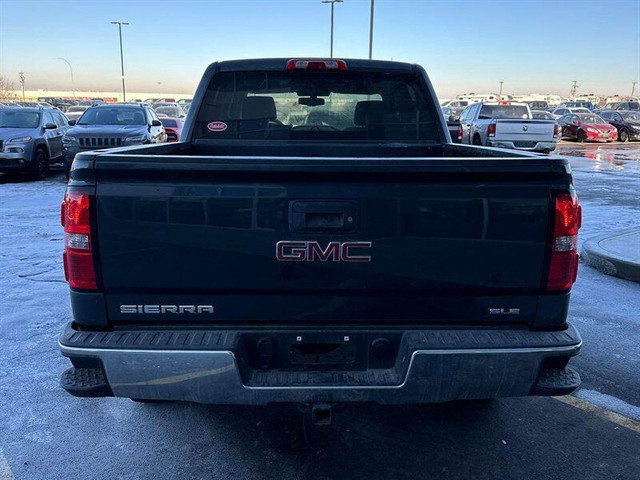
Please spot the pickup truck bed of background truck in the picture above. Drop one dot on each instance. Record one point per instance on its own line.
(257, 270)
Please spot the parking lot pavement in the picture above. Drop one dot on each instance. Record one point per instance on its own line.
(44, 433)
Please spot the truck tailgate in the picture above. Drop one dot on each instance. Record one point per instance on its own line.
(322, 240)
(524, 130)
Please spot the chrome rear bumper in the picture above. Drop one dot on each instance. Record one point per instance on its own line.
(420, 375)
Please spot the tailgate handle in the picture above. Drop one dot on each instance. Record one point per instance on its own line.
(323, 216)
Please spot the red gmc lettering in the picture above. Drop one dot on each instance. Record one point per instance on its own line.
(350, 257)
(296, 251)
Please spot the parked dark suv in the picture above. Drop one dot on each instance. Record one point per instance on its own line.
(109, 126)
(31, 139)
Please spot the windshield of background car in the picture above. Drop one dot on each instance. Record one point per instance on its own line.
(169, 122)
(171, 111)
(112, 116)
(630, 116)
(317, 105)
(591, 119)
(542, 116)
(503, 111)
(76, 109)
(611, 106)
(19, 119)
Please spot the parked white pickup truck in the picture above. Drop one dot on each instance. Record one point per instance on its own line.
(507, 126)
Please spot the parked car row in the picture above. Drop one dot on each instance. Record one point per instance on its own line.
(34, 138)
(482, 123)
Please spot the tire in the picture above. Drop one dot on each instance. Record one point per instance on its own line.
(581, 137)
(477, 141)
(623, 136)
(40, 165)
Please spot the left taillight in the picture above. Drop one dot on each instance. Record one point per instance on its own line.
(75, 216)
(459, 133)
(491, 130)
(563, 266)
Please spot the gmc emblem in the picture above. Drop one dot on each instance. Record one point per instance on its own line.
(287, 251)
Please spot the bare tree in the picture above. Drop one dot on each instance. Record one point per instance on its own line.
(7, 91)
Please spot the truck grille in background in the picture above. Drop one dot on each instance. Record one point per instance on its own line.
(99, 142)
(525, 143)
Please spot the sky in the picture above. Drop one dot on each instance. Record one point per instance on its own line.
(465, 46)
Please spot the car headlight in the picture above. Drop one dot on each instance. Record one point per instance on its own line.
(68, 140)
(636, 127)
(19, 140)
(592, 130)
(136, 139)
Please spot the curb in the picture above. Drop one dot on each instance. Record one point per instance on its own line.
(616, 254)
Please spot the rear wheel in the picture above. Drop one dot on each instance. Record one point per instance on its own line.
(623, 136)
(476, 140)
(581, 136)
(40, 165)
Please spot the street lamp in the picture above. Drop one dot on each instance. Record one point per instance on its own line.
(124, 93)
(371, 31)
(73, 85)
(501, 82)
(332, 2)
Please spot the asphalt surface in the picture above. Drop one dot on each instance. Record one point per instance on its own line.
(47, 434)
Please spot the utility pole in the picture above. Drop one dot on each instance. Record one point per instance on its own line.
(574, 88)
(124, 93)
(633, 88)
(501, 82)
(332, 2)
(73, 85)
(371, 31)
(22, 77)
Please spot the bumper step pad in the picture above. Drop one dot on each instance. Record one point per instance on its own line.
(557, 381)
(85, 382)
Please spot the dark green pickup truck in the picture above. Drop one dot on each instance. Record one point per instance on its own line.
(315, 237)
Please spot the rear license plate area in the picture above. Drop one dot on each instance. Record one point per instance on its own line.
(317, 351)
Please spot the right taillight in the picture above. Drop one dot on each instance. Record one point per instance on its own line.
(75, 216)
(491, 130)
(563, 266)
(556, 130)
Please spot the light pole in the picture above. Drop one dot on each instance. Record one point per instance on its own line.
(371, 31)
(574, 88)
(501, 82)
(633, 88)
(124, 93)
(22, 77)
(332, 2)
(73, 85)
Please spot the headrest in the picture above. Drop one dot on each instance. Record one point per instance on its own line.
(367, 109)
(258, 107)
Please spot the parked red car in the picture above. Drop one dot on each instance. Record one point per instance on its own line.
(587, 127)
(173, 127)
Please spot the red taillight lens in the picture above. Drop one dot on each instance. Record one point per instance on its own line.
(556, 130)
(563, 267)
(300, 64)
(75, 215)
(491, 130)
(459, 133)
